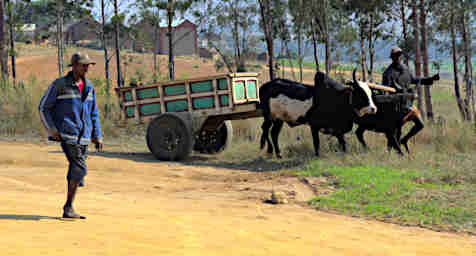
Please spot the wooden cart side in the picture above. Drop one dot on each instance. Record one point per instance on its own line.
(202, 96)
(247, 96)
(162, 99)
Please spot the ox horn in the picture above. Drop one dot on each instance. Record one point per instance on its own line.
(353, 76)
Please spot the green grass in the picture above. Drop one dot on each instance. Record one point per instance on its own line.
(396, 195)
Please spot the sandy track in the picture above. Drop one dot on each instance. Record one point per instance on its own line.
(138, 206)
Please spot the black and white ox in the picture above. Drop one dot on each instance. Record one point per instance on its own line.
(326, 107)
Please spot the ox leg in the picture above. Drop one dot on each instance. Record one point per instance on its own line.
(265, 136)
(342, 142)
(417, 127)
(360, 136)
(315, 139)
(277, 125)
(392, 141)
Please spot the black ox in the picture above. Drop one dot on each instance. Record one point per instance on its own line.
(389, 120)
(327, 106)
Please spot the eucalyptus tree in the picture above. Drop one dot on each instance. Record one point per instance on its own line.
(149, 14)
(370, 17)
(417, 60)
(103, 36)
(105, 31)
(425, 31)
(3, 46)
(467, 15)
(283, 33)
(448, 16)
(208, 29)
(173, 8)
(319, 11)
(239, 16)
(398, 12)
(15, 13)
(298, 9)
(271, 11)
(60, 6)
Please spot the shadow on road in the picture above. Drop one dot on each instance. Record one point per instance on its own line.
(258, 164)
(27, 217)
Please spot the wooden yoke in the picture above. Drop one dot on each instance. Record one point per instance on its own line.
(381, 87)
(375, 86)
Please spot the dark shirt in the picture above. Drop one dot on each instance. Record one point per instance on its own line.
(400, 74)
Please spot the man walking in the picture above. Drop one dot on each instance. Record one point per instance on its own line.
(69, 112)
(399, 77)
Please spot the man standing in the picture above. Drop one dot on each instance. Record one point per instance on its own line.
(398, 72)
(69, 112)
(399, 77)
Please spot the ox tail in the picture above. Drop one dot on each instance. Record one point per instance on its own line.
(265, 132)
(267, 123)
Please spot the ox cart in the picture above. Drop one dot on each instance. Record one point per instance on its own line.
(192, 114)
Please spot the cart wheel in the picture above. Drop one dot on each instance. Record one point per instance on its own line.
(169, 138)
(216, 141)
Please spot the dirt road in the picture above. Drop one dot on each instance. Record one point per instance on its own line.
(138, 206)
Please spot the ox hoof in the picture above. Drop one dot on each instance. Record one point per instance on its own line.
(279, 156)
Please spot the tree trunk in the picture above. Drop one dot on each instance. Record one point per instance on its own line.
(116, 43)
(170, 34)
(59, 35)
(404, 27)
(282, 51)
(104, 46)
(156, 50)
(3, 44)
(266, 18)
(300, 54)
(236, 38)
(469, 100)
(363, 59)
(426, 71)
(326, 38)
(455, 65)
(371, 47)
(416, 34)
(12, 43)
(314, 43)
(290, 63)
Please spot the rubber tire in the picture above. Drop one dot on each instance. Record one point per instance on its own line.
(225, 134)
(168, 127)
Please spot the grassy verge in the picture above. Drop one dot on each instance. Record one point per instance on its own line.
(396, 195)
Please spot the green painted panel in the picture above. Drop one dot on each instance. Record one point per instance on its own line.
(128, 96)
(130, 111)
(239, 89)
(177, 106)
(251, 89)
(175, 90)
(203, 86)
(147, 93)
(150, 109)
(224, 100)
(222, 84)
(206, 102)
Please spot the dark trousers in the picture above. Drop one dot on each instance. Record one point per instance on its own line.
(76, 155)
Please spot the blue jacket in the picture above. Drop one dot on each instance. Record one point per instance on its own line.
(74, 115)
